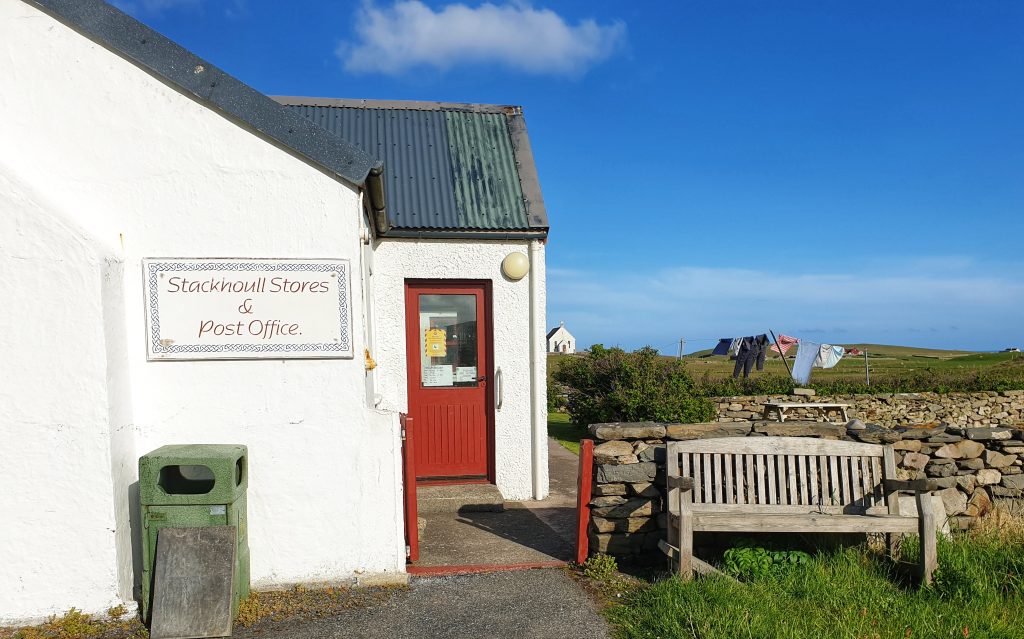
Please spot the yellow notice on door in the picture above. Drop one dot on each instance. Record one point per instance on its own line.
(434, 342)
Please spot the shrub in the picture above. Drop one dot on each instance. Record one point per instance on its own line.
(611, 385)
(748, 561)
(600, 567)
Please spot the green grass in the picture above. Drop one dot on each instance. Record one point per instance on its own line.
(565, 432)
(854, 592)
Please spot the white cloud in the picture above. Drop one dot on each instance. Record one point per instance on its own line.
(894, 304)
(409, 34)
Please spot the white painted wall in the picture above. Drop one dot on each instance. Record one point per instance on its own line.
(130, 168)
(397, 260)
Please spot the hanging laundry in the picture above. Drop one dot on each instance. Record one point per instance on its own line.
(734, 348)
(786, 342)
(805, 358)
(751, 352)
(722, 348)
(853, 351)
(829, 355)
(761, 341)
(745, 357)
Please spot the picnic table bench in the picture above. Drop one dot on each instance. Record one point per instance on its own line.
(789, 484)
(822, 407)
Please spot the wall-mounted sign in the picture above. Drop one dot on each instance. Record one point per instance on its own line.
(247, 309)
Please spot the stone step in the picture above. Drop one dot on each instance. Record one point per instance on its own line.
(459, 498)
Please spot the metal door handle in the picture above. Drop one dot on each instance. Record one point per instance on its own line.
(499, 388)
(482, 378)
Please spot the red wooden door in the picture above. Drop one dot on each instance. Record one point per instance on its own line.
(448, 355)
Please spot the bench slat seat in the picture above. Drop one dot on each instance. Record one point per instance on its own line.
(789, 484)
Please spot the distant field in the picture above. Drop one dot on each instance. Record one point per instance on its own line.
(882, 360)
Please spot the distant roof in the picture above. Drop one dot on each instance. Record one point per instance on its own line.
(197, 78)
(448, 167)
(560, 326)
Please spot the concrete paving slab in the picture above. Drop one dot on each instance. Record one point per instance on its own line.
(526, 532)
(506, 605)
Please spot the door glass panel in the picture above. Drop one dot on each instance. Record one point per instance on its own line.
(448, 353)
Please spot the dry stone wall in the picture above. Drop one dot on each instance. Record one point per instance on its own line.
(976, 468)
(892, 409)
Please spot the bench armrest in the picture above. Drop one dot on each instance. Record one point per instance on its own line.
(683, 483)
(911, 485)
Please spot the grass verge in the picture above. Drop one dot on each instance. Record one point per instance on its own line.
(75, 623)
(565, 432)
(854, 592)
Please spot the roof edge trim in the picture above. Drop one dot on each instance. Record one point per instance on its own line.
(412, 105)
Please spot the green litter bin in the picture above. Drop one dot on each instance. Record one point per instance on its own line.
(193, 486)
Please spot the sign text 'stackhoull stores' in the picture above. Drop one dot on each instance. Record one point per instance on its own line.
(247, 309)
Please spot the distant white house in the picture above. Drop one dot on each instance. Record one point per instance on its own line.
(561, 340)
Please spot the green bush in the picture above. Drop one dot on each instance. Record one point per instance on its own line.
(748, 561)
(611, 385)
(600, 567)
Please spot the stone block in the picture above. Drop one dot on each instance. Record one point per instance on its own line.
(948, 451)
(915, 461)
(627, 430)
(1013, 481)
(614, 448)
(655, 453)
(944, 438)
(998, 460)
(1004, 493)
(607, 500)
(631, 508)
(988, 476)
(970, 449)
(602, 490)
(645, 489)
(626, 474)
(804, 392)
(855, 424)
(966, 483)
(936, 469)
(707, 430)
(979, 505)
(921, 432)
(971, 464)
(909, 445)
(628, 525)
(616, 543)
(946, 482)
(800, 429)
(986, 434)
(954, 501)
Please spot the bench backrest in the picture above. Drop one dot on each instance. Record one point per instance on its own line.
(781, 474)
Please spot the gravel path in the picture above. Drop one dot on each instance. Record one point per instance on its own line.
(513, 605)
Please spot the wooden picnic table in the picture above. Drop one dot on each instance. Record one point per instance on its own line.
(823, 407)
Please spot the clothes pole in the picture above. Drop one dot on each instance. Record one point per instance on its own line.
(867, 371)
(781, 353)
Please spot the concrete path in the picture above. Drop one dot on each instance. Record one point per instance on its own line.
(526, 532)
(505, 605)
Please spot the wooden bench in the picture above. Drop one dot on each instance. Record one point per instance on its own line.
(822, 407)
(789, 484)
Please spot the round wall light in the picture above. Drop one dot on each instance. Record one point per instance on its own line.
(515, 266)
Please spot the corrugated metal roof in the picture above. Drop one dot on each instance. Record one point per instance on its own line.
(487, 190)
(414, 148)
(446, 167)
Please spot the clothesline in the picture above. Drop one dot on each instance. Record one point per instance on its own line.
(751, 350)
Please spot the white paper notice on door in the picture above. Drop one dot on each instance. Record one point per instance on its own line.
(465, 374)
(437, 375)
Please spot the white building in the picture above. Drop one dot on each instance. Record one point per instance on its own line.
(144, 197)
(560, 340)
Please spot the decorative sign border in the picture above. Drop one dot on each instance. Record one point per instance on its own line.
(156, 351)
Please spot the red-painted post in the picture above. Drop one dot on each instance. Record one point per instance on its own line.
(583, 487)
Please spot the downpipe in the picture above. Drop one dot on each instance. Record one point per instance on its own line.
(538, 405)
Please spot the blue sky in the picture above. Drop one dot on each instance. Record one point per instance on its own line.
(842, 171)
